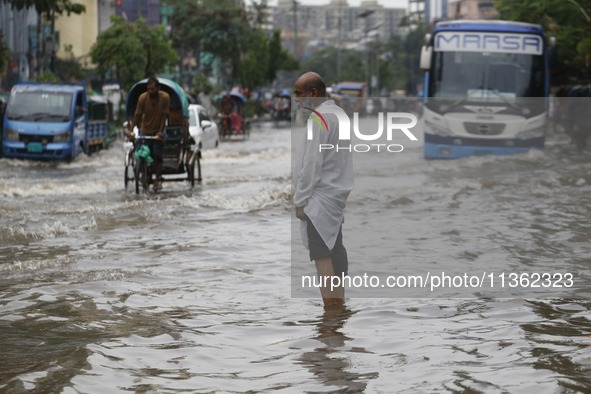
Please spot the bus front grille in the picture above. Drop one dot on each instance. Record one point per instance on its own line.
(484, 128)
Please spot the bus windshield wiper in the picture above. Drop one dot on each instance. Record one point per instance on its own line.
(64, 117)
(460, 101)
(514, 106)
(41, 115)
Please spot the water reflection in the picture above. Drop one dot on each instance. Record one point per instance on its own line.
(329, 363)
(562, 340)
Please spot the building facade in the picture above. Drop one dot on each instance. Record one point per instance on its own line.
(334, 23)
(20, 34)
(78, 31)
(472, 9)
(149, 9)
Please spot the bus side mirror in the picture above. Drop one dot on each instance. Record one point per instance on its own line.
(426, 54)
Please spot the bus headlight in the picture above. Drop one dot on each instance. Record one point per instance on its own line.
(10, 135)
(432, 128)
(64, 136)
(531, 133)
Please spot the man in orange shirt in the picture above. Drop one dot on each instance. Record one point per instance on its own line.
(151, 113)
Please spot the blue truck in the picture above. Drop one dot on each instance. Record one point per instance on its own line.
(47, 121)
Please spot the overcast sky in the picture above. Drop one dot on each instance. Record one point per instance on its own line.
(385, 3)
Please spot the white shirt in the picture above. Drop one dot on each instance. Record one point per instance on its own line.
(323, 180)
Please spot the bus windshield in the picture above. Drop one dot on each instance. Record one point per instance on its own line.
(486, 76)
(39, 106)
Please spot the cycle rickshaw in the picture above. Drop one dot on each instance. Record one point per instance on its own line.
(232, 122)
(181, 155)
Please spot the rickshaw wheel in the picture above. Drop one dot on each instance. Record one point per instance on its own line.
(198, 170)
(141, 176)
(126, 179)
(191, 174)
(137, 176)
(127, 172)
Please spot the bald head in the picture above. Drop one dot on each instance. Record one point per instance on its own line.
(310, 84)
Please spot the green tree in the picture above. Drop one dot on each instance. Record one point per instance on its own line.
(201, 85)
(324, 62)
(46, 76)
(412, 49)
(119, 50)
(220, 27)
(223, 29)
(132, 51)
(157, 47)
(47, 6)
(68, 67)
(392, 58)
(254, 64)
(567, 20)
(4, 53)
(279, 58)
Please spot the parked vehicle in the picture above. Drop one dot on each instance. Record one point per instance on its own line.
(203, 130)
(101, 128)
(281, 106)
(232, 121)
(353, 95)
(46, 121)
(178, 158)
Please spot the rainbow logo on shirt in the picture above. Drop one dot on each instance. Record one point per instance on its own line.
(316, 119)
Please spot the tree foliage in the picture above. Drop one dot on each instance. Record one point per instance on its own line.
(567, 20)
(4, 52)
(132, 51)
(157, 47)
(68, 67)
(201, 85)
(394, 59)
(47, 6)
(279, 58)
(220, 27)
(223, 29)
(46, 76)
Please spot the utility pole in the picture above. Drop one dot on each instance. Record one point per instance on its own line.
(53, 40)
(364, 15)
(40, 45)
(139, 9)
(340, 41)
(295, 29)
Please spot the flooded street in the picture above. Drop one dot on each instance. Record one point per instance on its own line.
(103, 291)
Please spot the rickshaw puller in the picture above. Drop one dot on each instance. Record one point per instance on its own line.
(152, 109)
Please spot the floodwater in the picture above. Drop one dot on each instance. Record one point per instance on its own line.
(102, 291)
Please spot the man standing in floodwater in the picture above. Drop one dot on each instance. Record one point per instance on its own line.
(322, 181)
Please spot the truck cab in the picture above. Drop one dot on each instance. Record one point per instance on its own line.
(46, 121)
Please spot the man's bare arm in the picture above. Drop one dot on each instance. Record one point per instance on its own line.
(162, 126)
(136, 119)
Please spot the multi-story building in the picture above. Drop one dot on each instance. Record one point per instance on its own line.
(431, 11)
(78, 31)
(149, 9)
(106, 8)
(472, 9)
(20, 32)
(334, 23)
